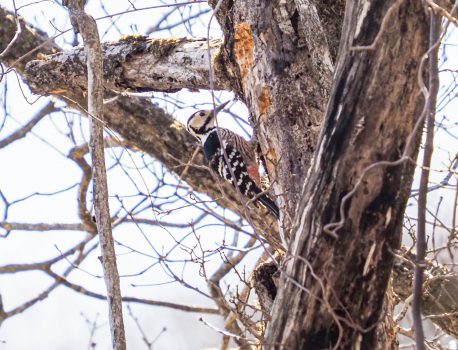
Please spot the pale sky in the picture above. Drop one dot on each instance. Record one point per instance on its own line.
(31, 165)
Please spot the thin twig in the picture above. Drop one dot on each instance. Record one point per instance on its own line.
(434, 35)
(22, 132)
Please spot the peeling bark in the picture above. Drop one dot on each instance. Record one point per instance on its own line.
(285, 78)
(135, 63)
(333, 288)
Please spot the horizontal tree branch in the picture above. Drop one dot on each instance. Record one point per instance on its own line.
(46, 267)
(42, 226)
(59, 280)
(86, 292)
(440, 301)
(145, 126)
(135, 63)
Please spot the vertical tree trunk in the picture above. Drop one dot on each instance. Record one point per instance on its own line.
(278, 53)
(334, 283)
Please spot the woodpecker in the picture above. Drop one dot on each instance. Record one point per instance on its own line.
(240, 153)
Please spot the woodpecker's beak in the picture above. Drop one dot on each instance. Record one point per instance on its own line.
(221, 107)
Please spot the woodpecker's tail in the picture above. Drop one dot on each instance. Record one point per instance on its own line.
(270, 204)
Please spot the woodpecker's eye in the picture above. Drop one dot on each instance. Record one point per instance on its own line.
(202, 114)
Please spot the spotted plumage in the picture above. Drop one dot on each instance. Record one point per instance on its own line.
(241, 155)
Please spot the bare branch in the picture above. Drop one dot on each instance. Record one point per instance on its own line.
(42, 226)
(82, 290)
(434, 35)
(22, 132)
(89, 31)
(134, 63)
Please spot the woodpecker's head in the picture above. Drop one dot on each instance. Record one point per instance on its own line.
(202, 122)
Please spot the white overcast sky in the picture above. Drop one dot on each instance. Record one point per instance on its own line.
(31, 165)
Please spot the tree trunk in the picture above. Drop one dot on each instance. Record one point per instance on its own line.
(279, 58)
(284, 73)
(334, 283)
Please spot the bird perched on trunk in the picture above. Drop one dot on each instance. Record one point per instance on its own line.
(241, 156)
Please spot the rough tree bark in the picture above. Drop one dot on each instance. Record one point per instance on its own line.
(279, 53)
(134, 63)
(283, 73)
(334, 283)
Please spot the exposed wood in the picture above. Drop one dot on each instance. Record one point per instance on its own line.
(284, 78)
(332, 291)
